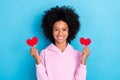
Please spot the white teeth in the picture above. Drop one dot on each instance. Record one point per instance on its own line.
(60, 37)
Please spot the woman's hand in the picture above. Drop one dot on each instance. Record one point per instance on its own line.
(85, 54)
(35, 55)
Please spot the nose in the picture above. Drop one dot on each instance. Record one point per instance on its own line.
(60, 33)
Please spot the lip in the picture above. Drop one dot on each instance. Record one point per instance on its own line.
(60, 38)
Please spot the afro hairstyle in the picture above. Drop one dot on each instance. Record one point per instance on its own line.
(64, 13)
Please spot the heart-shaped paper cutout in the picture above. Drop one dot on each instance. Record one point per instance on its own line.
(84, 41)
(32, 42)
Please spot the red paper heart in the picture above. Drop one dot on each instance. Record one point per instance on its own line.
(84, 41)
(32, 42)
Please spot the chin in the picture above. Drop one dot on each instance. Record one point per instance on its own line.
(60, 41)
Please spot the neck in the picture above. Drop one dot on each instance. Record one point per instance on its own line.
(61, 46)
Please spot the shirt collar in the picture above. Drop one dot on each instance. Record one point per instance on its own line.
(52, 47)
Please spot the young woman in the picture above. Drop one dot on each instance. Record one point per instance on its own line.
(60, 61)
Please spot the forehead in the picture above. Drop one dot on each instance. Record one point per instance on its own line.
(60, 24)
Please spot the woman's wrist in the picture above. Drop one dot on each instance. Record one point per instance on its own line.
(38, 60)
(83, 61)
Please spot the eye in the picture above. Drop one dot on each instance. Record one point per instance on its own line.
(55, 29)
(64, 29)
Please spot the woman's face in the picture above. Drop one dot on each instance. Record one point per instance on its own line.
(60, 31)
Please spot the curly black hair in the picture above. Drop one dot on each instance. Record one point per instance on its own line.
(64, 13)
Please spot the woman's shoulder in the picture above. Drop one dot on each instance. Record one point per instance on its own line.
(73, 49)
(46, 49)
(75, 52)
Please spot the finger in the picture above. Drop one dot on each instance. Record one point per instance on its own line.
(31, 51)
(34, 45)
(83, 51)
(85, 46)
(87, 49)
(34, 50)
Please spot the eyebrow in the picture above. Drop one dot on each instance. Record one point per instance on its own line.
(62, 27)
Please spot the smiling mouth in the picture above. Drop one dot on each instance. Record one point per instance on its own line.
(59, 38)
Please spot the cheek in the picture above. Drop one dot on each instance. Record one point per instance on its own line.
(54, 33)
(66, 33)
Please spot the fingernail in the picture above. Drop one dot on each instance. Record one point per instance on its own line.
(34, 46)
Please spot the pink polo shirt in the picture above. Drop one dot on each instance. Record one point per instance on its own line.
(57, 65)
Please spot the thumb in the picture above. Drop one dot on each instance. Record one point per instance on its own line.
(34, 45)
(84, 46)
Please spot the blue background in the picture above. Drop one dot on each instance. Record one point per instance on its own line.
(21, 19)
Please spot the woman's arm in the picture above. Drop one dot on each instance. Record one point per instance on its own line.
(81, 72)
(40, 65)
